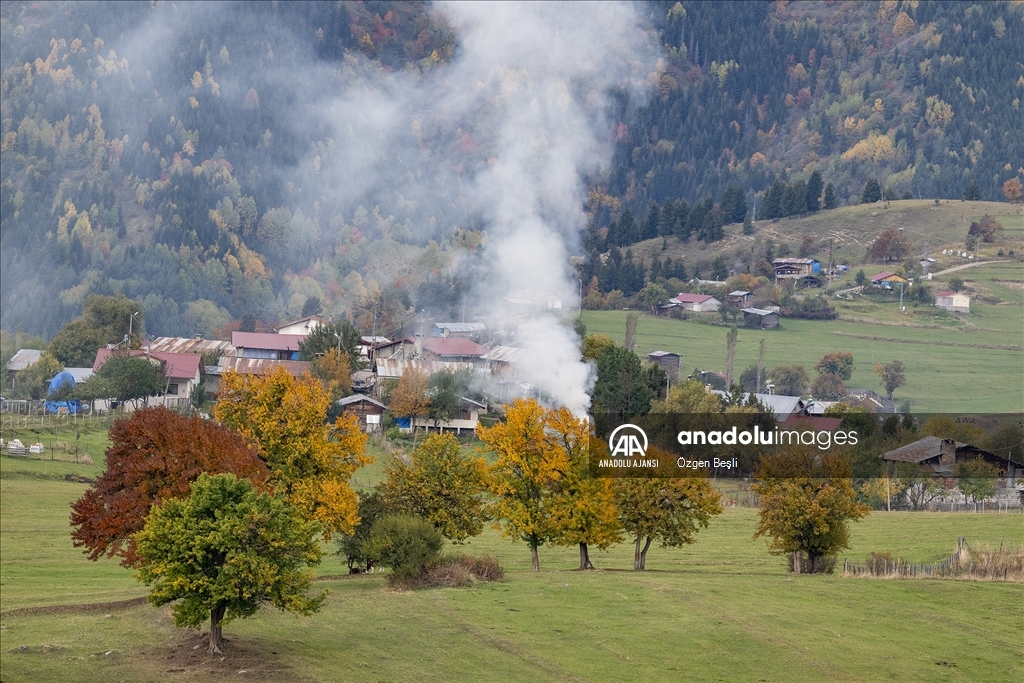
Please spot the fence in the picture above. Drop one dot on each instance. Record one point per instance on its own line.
(900, 568)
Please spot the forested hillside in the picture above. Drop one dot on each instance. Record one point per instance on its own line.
(213, 160)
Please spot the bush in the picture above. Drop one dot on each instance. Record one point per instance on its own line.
(453, 571)
(405, 544)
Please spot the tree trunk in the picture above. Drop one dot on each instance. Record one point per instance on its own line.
(585, 557)
(534, 557)
(643, 554)
(797, 556)
(216, 635)
(636, 555)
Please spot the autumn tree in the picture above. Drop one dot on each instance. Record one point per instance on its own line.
(985, 230)
(807, 500)
(333, 371)
(528, 464)
(828, 387)
(789, 380)
(441, 485)
(890, 245)
(836, 363)
(892, 376)
(670, 511)
(154, 456)
(310, 462)
(583, 509)
(887, 487)
(409, 397)
(225, 550)
(1012, 190)
(594, 345)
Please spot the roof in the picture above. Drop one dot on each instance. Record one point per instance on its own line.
(265, 340)
(530, 296)
(662, 354)
(758, 311)
(453, 346)
(23, 358)
(819, 424)
(373, 340)
(357, 398)
(471, 402)
(259, 366)
(887, 275)
(921, 450)
(782, 406)
(80, 374)
(794, 261)
(461, 327)
(684, 298)
(506, 354)
(739, 292)
(189, 345)
(175, 365)
(950, 294)
(393, 369)
(309, 319)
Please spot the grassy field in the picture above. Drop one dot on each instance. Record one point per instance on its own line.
(722, 609)
(988, 378)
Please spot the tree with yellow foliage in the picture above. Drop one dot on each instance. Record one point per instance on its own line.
(310, 462)
(583, 508)
(441, 485)
(333, 371)
(529, 462)
(409, 397)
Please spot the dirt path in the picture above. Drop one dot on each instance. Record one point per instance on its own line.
(966, 265)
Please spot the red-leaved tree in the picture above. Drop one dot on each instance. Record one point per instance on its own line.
(155, 456)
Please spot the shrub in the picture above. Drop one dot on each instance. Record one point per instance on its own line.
(452, 571)
(405, 544)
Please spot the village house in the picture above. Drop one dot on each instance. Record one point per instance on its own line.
(182, 372)
(467, 418)
(953, 301)
(400, 349)
(248, 366)
(889, 280)
(938, 457)
(739, 297)
(803, 271)
(453, 350)
(506, 363)
(701, 303)
(666, 360)
(190, 345)
(765, 319)
(301, 327)
(366, 408)
(266, 345)
(527, 300)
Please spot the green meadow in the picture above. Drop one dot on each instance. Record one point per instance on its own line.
(722, 609)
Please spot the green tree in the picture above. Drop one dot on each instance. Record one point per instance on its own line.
(371, 508)
(248, 323)
(652, 295)
(104, 320)
(130, 378)
(224, 551)
(956, 284)
(440, 485)
(830, 197)
(892, 376)
(807, 500)
(976, 479)
(445, 389)
(595, 344)
(789, 380)
(861, 278)
(972, 192)
(404, 543)
(34, 380)
(814, 188)
(343, 336)
(828, 387)
(670, 511)
(620, 387)
(872, 192)
(836, 363)
(312, 306)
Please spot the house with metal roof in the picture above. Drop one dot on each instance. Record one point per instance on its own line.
(266, 345)
(764, 319)
(953, 301)
(459, 329)
(182, 372)
(702, 303)
(938, 457)
(21, 360)
(453, 350)
(302, 326)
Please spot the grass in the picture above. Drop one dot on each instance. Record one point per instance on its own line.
(721, 609)
(987, 379)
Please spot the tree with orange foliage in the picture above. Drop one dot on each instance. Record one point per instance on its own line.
(529, 461)
(155, 456)
(1012, 189)
(311, 462)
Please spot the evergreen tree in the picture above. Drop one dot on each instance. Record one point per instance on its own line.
(872, 192)
(830, 196)
(814, 186)
(972, 192)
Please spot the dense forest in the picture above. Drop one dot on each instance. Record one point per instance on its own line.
(218, 160)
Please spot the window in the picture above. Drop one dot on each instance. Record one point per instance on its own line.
(172, 389)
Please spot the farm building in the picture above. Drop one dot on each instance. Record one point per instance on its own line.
(248, 366)
(367, 409)
(701, 303)
(953, 301)
(190, 345)
(739, 298)
(452, 349)
(766, 319)
(889, 280)
(666, 360)
(399, 349)
(21, 360)
(938, 457)
(303, 326)
(394, 369)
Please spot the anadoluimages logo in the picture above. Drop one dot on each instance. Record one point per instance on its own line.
(631, 441)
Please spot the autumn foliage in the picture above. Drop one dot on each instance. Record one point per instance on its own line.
(155, 456)
(310, 462)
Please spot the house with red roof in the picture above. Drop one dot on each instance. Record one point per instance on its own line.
(701, 303)
(453, 350)
(953, 301)
(266, 345)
